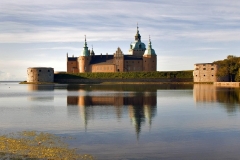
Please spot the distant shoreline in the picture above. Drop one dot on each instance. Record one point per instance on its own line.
(116, 82)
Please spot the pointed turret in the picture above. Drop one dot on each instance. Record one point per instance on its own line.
(85, 51)
(84, 59)
(150, 58)
(137, 48)
(92, 52)
(138, 36)
(149, 51)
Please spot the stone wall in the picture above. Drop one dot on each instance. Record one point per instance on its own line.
(102, 68)
(205, 72)
(133, 65)
(40, 74)
(227, 84)
(72, 67)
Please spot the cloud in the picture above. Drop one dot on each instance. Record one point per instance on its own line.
(6, 76)
(61, 21)
(207, 49)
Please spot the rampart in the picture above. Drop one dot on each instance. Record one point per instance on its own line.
(40, 74)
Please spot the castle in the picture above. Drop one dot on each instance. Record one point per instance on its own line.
(139, 58)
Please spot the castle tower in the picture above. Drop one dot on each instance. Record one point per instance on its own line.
(149, 58)
(137, 48)
(84, 59)
(119, 60)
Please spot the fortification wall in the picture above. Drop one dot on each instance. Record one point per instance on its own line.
(205, 72)
(40, 74)
(133, 65)
(72, 67)
(143, 80)
(103, 68)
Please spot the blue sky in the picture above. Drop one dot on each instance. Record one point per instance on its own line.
(183, 32)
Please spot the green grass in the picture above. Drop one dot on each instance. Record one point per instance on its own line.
(126, 75)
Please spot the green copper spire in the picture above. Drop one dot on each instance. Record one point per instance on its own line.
(85, 51)
(149, 51)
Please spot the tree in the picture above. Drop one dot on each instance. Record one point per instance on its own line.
(229, 67)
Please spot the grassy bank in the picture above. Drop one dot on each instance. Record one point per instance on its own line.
(126, 75)
(36, 145)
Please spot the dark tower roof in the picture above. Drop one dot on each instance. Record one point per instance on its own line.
(138, 36)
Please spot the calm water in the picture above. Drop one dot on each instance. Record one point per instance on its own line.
(129, 121)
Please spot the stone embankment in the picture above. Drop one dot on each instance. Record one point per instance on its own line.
(227, 84)
(140, 80)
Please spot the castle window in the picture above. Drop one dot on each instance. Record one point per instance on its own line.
(31, 70)
(204, 65)
(40, 70)
(153, 61)
(38, 74)
(204, 68)
(204, 75)
(48, 70)
(212, 75)
(196, 75)
(212, 64)
(138, 61)
(196, 68)
(212, 68)
(145, 61)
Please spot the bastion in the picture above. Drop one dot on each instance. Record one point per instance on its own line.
(40, 74)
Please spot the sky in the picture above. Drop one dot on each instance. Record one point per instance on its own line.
(183, 32)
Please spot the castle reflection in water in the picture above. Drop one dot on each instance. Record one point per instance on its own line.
(141, 106)
(207, 93)
(139, 102)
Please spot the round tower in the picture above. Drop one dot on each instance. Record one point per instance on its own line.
(84, 59)
(149, 58)
(40, 74)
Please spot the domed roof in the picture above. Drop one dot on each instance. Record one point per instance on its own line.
(149, 51)
(85, 51)
(138, 45)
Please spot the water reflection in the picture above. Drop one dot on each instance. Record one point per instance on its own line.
(229, 97)
(141, 106)
(42, 92)
(34, 87)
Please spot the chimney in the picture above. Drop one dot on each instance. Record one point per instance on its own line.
(101, 55)
(106, 55)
